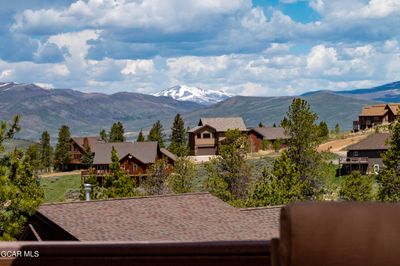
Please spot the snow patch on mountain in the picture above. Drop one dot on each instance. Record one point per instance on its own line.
(194, 94)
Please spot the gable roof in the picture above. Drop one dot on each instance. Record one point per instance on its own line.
(222, 124)
(185, 217)
(92, 140)
(271, 133)
(372, 142)
(145, 151)
(379, 109)
(168, 154)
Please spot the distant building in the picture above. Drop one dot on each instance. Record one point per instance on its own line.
(190, 217)
(365, 156)
(270, 134)
(78, 148)
(376, 115)
(135, 157)
(210, 132)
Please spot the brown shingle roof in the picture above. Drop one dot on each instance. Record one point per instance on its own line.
(394, 107)
(374, 110)
(92, 140)
(271, 133)
(222, 124)
(186, 217)
(146, 151)
(372, 142)
(168, 154)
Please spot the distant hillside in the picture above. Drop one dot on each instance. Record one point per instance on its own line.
(86, 113)
(10, 145)
(330, 107)
(386, 93)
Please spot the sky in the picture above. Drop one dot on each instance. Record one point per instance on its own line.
(244, 47)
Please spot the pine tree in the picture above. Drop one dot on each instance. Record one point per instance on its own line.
(303, 132)
(184, 172)
(103, 135)
(46, 151)
(32, 155)
(62, 155)
(117, 182)
(156, 180)
(178, 144)
(323, 130)
(229, 174)
(117, 133)
(88, 157)
(282, 186)
(157, 134)
(140, 137)
(389, 178)
(356, 187)
(274, 125)
(261, 124)
(20, 192)
(337, 129)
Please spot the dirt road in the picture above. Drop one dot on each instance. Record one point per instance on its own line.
(60, 174)
(339, 144)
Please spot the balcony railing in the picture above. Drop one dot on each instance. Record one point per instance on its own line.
(353, 160)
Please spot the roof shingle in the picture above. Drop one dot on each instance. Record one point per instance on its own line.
(187, 217)
(372, 142)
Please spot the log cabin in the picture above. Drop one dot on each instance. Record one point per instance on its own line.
(376, 115)
(271, 134)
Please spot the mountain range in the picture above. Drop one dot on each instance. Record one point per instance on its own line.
(87, 113)
(194, 94)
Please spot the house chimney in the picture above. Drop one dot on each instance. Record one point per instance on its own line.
(87, 188)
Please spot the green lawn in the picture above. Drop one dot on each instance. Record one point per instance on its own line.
(55, 187)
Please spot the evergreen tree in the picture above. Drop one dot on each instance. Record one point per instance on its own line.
(117, 182)
(140, 137)
(300, 126)
(46, 151)
(117, 133)
(323, 130)
(181, 180)
(32, 155)
(20, 192)
(389, 178)
(261, 124)
(62, 155)
(103, 135)
(157, 134)
(178, 144)
(337, 129)
(88, 157)
(282, 186)
(157, 174)
(274, 125)
(356, 187)
(229, 174)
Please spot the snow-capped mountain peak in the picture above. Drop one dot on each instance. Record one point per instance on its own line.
(194, 94)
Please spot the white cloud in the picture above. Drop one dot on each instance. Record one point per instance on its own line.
(135, 67)
(5, 74)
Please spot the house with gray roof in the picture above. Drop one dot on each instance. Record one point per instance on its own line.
(366, 155)
(210, 132)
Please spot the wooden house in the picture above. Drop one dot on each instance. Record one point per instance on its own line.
(135, 157)
(365, 156)
(210, 132)
(270, 134)
(376, 115)
(78, 148)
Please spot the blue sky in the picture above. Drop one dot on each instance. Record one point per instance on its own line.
(259, 47)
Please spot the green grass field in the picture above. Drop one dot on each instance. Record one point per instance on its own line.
(56, 187)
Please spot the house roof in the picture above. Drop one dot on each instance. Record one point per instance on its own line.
(222, 124)
(271, 133)
(145, 151)
(92, 140)
(196, 128)
(372, 142)
(168, 154)
(379, 109)
(186, 217)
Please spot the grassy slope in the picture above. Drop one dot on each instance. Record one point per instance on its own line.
(55, 187)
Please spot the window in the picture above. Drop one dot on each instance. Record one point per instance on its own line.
(198, 135)
(355, 153)
(206, 135)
